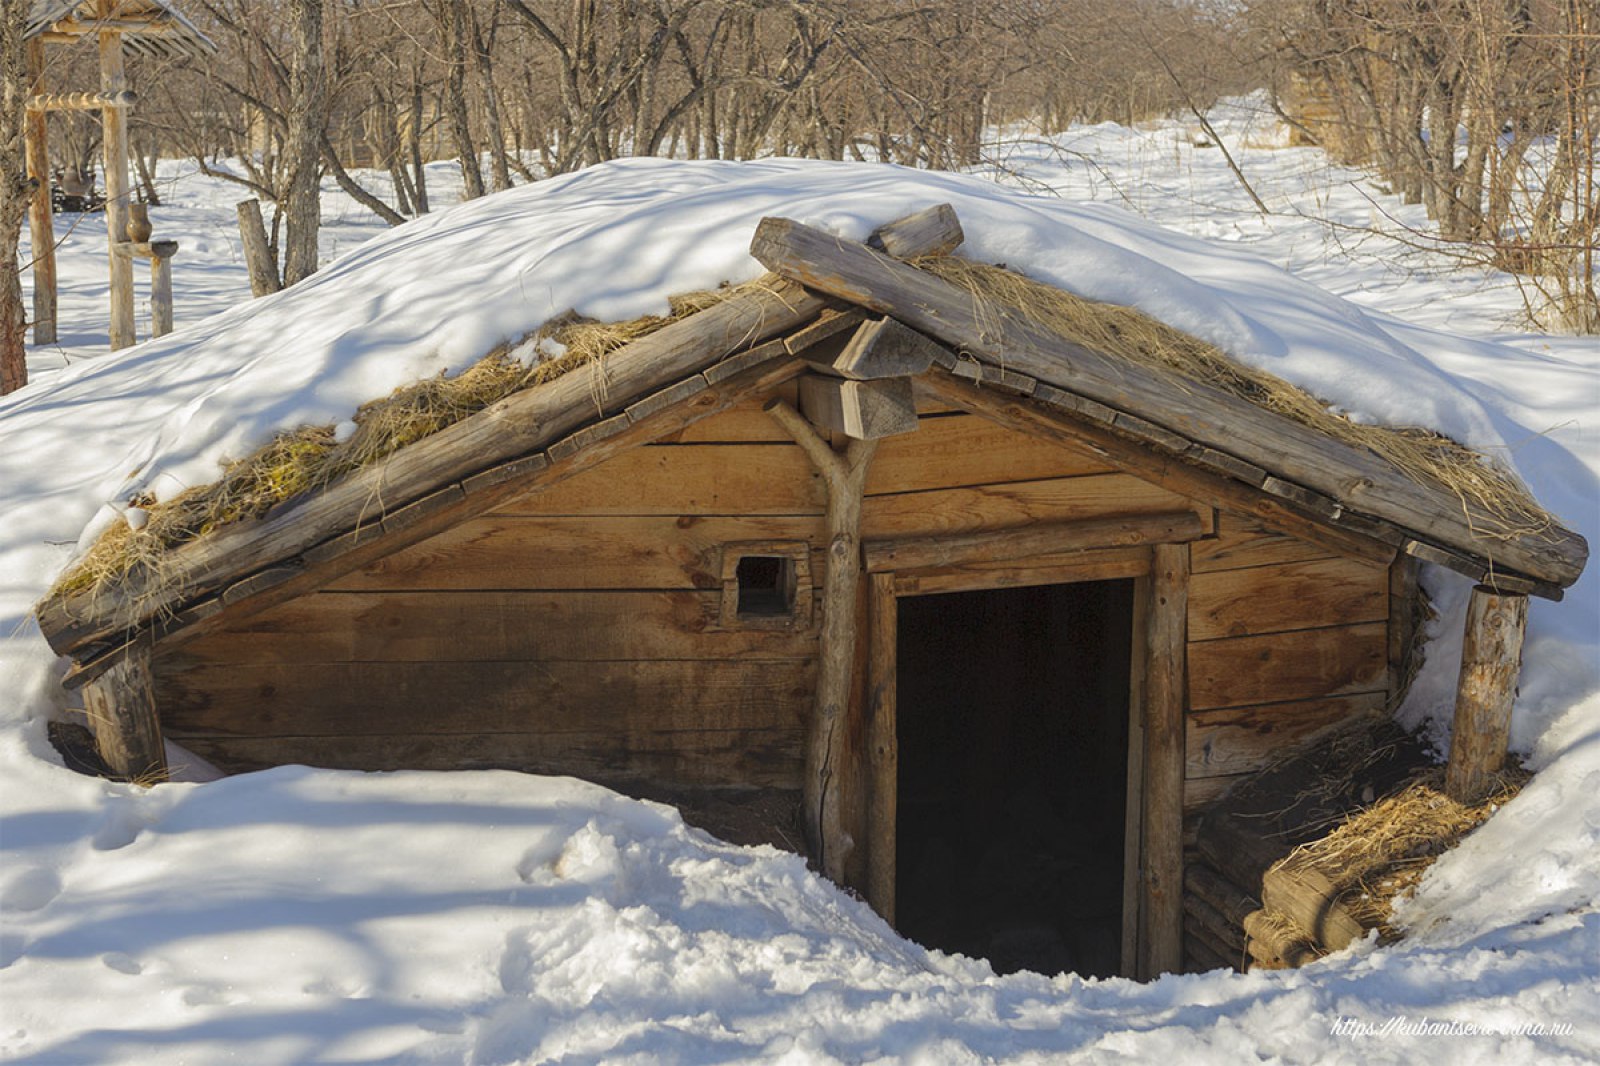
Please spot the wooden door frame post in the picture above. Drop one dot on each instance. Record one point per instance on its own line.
(1161, 819)
(883, 743)
(829, 766)
(113, 79)
(41, 222)
(1491, 659)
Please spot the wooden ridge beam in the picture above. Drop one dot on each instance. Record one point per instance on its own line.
(1352, 476)
(1046, 538)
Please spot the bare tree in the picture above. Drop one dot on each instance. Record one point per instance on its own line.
(15, 190)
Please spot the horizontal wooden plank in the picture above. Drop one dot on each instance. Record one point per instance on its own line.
(1199, 792)
(968, 510)
(702, 759)
(959, 450)
(418, 699)
(608, 552)
(1028, 542)
(1242, 541)
(1308, 664)
(482, 626)
(682, 479)
(1240, 740)
(1111, 564)
(746, 423)
(1274, 599)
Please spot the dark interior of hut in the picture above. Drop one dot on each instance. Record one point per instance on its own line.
(1013, 734)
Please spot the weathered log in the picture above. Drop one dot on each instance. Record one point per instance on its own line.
(1045, 538)
(121, 705)
(1313, 898)
(1240, 854)
(1200, 916)
(1355, 477)
(1228, 899)
(932, 231)
(828, 755)
(861, 410)
(160, 295)
(114, 142)
(1201, 956)
(1165, 644)
(1491, 659)
(257, 252)
(41, 221)
(1276, 943)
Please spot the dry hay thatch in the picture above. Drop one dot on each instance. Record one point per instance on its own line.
(1504, 507)
(1379, 854)
(311, 457)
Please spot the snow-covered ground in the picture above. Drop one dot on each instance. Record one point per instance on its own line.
(308, 916)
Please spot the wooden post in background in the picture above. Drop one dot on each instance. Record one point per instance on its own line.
(1491, 658)
(115, 136)
(1165, 698)
(161, 253)
(41, 223)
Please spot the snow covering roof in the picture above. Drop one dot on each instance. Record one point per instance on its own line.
(173, 35)
(616, 241)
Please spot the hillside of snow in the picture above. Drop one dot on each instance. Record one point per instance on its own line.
(298, 916)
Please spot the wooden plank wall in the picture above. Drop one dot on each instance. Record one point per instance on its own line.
(577, 630)
(1285, 639)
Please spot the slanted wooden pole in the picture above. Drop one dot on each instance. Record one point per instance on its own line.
(1165, 696)
(41, 223)
(121, 705)
(1491, 658)
(829, 761)
(114, 134)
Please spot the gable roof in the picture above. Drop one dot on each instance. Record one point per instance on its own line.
(1235, 452)
(170, 34)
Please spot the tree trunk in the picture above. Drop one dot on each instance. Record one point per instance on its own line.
(15, 191)
(454, 17)
(307, 122)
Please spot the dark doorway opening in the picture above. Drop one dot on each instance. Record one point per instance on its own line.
(1012, 715)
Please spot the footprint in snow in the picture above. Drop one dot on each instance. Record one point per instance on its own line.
(31, 890)
(122, 963)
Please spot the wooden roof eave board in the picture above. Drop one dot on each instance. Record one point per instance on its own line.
(1302, 460)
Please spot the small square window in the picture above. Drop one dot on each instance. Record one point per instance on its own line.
(766, 584)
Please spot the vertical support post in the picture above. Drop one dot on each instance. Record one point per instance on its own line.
(883, 743)
(1491, 659)
(160, 295)
(121, 705)
(1133, 816)
(41, 223)
(114, 134)
(1165, 699)
(828, 755)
